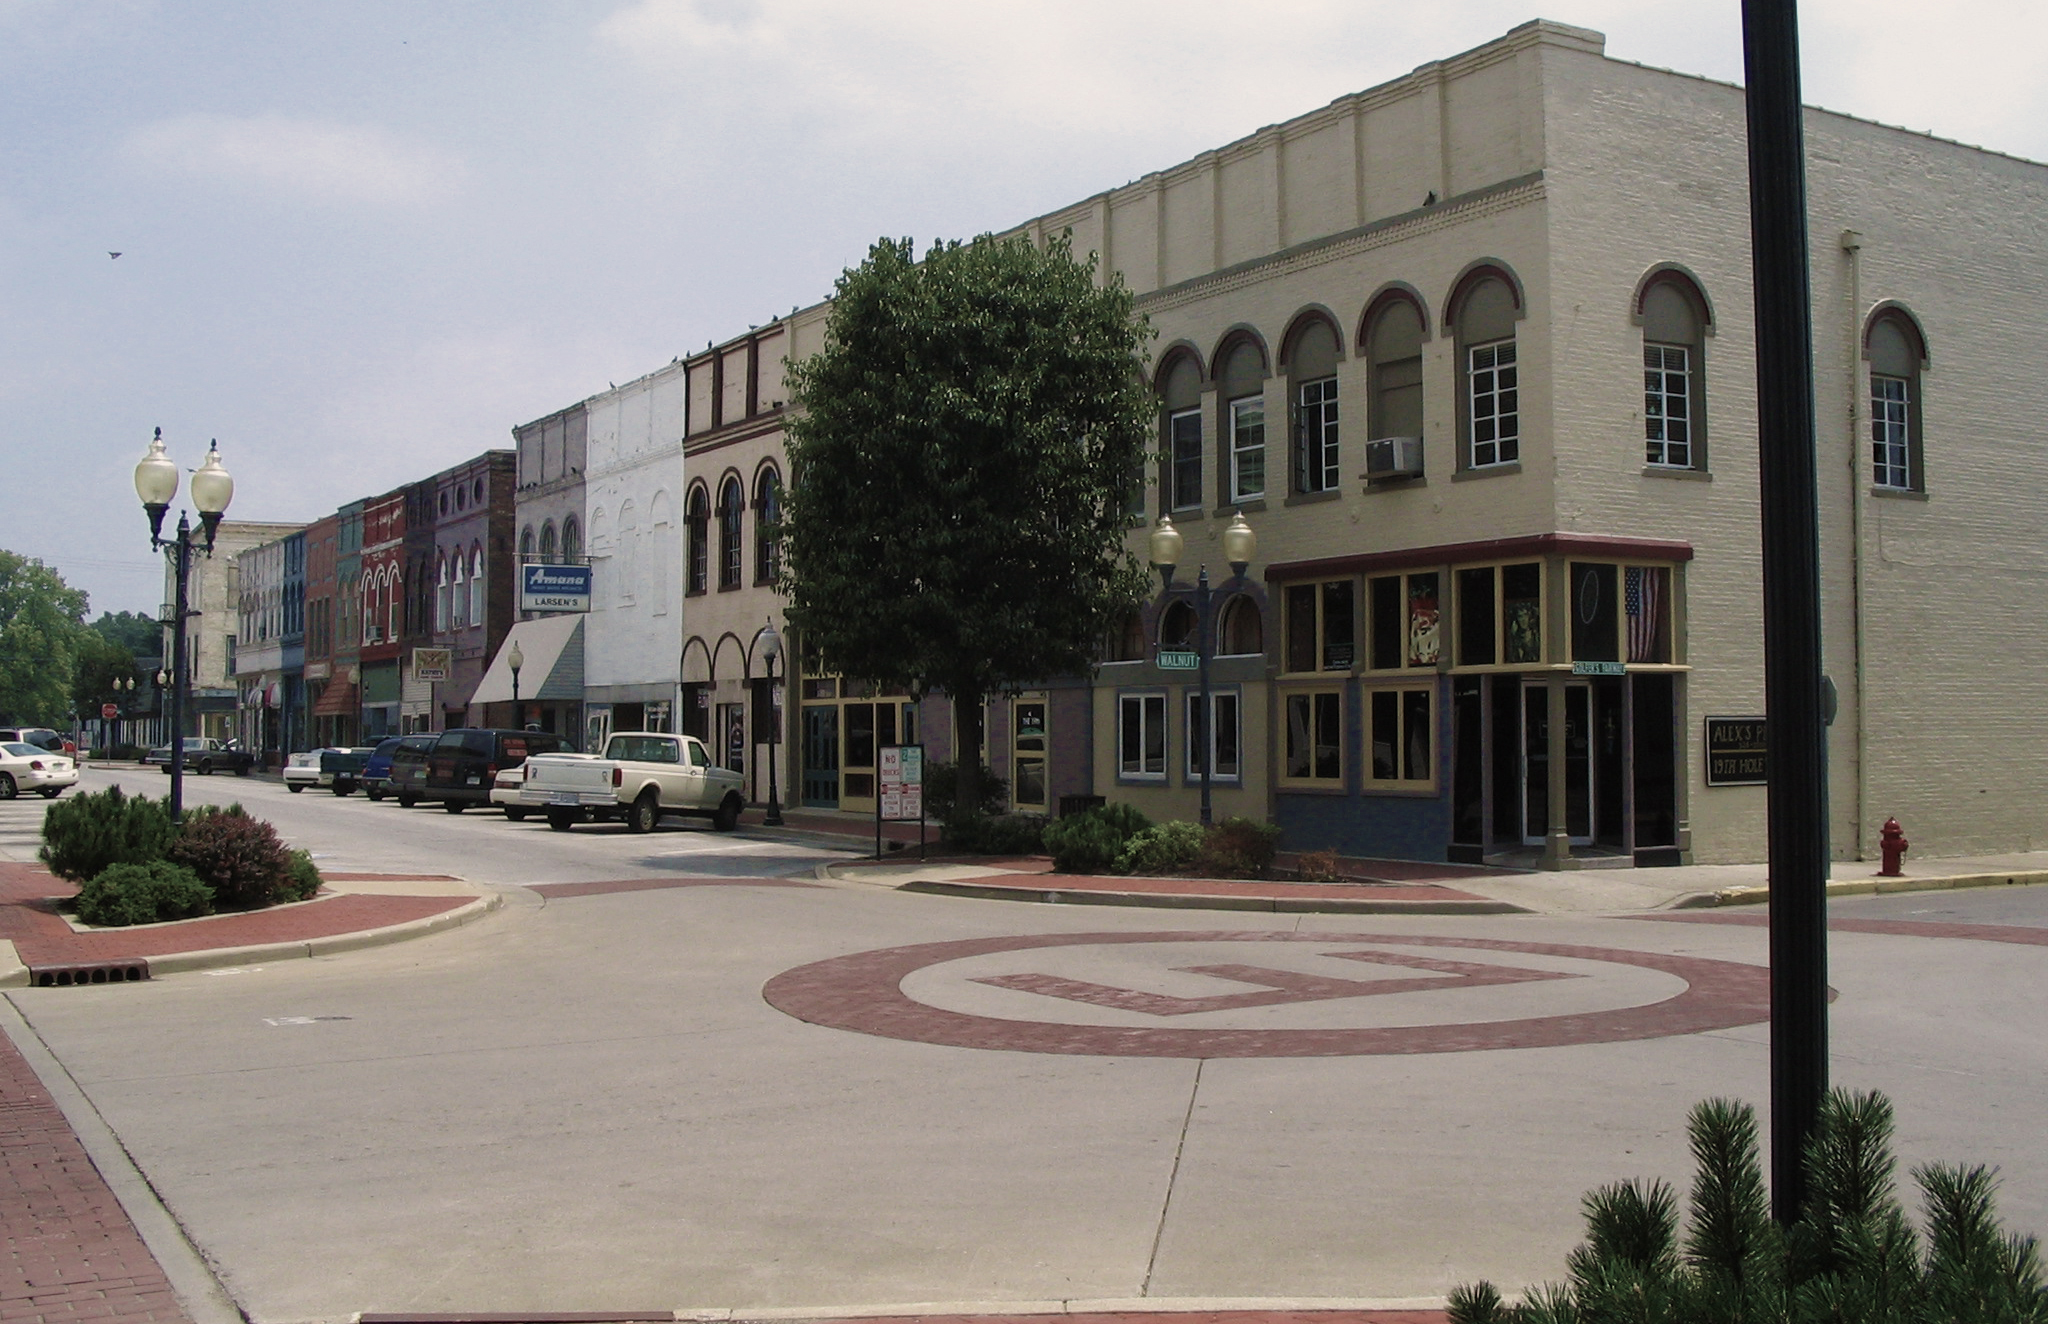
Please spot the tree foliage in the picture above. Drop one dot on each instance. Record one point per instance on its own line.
(98, 663)
(138, 634)
(961, 458)
(42, 620)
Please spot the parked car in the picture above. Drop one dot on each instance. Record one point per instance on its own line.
(465, 763)
(342, 769)
(42, 737)
(505, 792)
(377, 779)
(206, 756)
(302, 770)
(409, 768)
(641, 776)
(26, 767)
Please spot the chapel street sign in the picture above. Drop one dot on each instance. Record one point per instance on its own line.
(554, 588)
(1738, 752)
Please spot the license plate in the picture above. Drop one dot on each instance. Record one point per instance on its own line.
(562, 798)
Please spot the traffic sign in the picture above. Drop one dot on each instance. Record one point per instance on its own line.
(1179, 659)
(109, 711)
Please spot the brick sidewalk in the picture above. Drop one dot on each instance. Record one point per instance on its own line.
(72, 1254)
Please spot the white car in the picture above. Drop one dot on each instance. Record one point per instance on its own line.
(24, 767)
(302, 770)
(505, 789)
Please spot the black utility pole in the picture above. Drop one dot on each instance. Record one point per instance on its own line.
(1798, 791)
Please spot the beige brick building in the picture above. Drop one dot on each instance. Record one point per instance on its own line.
(1471, 352)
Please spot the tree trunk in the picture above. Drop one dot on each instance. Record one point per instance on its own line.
(968, 713)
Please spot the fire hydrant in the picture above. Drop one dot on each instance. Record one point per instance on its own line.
(1891, 846)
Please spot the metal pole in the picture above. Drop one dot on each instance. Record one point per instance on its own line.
(774, 815)
(1202, 604)
(1797, 794)
(181, 560)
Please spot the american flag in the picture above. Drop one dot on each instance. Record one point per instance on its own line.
(1643, 592)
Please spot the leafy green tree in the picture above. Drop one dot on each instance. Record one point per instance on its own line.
(140, 635)
(99, 662)
(41, 621)
(961, 458)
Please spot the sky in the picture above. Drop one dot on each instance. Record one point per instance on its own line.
(361, 240)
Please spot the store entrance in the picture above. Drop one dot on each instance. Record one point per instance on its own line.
(821, 755)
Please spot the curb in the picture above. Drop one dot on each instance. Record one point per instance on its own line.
(936, 1310)
(217, 957)
(1185, 901)
(1750, 896)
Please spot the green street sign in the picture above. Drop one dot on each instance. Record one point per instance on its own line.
(1178, 659)
(1599, 669)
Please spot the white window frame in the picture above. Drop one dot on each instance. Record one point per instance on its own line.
(1247, 416)
(1485, 366)
(1233, 723)
(1667, 387)
(1891, 432)
(1316, 435)
(1151, 710)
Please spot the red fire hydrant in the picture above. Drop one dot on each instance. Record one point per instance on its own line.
(1891, 846)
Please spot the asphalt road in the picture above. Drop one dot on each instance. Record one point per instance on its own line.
(717, 1096)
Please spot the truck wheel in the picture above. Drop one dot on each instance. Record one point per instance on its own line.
(515, 815)
(244, 769)
(454, 806)
(206, 767)
(561, 820)
(375, 793)
(728, 816)
(645, 815)
(295, 788)
(407, 801)
(344, 788)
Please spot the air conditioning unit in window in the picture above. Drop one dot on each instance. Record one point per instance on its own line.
(1393, 457)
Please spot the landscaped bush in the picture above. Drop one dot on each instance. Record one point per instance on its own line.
(1004, 834)
(942, 793)
(1851, 1257)
(143, 894)
(305, 878)
(85, 834)
(238, 856)
(1163, 848)
(1317, 866)
(1239, 848)
(1090, 842)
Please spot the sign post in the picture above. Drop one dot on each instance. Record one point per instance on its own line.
(900, 769)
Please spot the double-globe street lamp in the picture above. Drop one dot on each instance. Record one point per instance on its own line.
(1240, 544)
(771, 648)
(156, 482)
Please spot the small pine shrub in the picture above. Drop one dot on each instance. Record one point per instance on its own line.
(305, 878)
(1089, 842)
(123, 894)
(1240, 848)
(83, 835)
(240, 857)
(1163, 848)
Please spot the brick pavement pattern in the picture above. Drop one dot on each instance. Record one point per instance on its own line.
(72, 1254)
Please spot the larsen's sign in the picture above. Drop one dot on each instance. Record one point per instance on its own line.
(554, 588)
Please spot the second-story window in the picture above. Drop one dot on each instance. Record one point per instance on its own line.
(1243, 386)
(1181, 481)
(697, 531)
(1312, 369)
(768, 527)
(732, 504)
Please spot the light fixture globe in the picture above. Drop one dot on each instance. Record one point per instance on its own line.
(1166, 545)
(156, 482)
(771, 642)
(1240, 544)
(212, 487)
(515, 659)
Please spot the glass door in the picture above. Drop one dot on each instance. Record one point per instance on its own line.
(1577, 753)
(1027, 791)
(821, 755)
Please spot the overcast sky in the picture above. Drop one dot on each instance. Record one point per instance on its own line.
(360, 240)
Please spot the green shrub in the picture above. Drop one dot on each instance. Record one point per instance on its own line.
(1163, 848)
(87, 833)
(1090, 842)
(238, 856)
(1317, 866)
(305, 879)
(1850, 1257)
(1239, 848)
(1004, 834)
(143, 894)
(942, 793)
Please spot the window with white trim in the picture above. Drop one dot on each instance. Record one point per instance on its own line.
(1248, 448)
(1224, 758)
(1673, 316)
(1893, 346)
(1315, 429)
(1141, 737)
(1667, 405)
(1496, 410)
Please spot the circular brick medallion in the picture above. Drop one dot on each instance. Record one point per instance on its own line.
(864, 993)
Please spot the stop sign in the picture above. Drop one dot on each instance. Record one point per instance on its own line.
(109, 711)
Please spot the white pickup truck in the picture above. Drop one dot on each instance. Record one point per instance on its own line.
(640, 776)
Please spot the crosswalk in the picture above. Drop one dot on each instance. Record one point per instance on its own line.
(21, 827)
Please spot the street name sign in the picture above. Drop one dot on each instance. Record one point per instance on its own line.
(1179, 659)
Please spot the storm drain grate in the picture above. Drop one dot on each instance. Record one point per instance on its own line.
(66, 976)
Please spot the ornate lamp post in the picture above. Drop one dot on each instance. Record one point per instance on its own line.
(124, 695)
(1240, 544)
(515, 660)
(771, 648)
(156, 482)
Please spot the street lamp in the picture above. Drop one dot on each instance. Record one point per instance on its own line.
(1239, 546)
(515, 660)
(156, 482)
(771, 648)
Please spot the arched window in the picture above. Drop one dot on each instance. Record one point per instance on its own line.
(1182, 481)
(1897, 354)
(395, 601)
(458, 616)
(547, 542)
(1177, 627)
(732, 503)
(1490, 397)
(1312, 375)
(697, 534)
(1673, 317)
(1393, 340)
(572, 540)
(1239, 629)
(442, 602)
(768, 527)
(1127, 638)
(526, 543)
(477, 600)
(1242, 384)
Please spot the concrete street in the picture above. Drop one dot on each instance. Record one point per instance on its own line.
(700, 1092)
